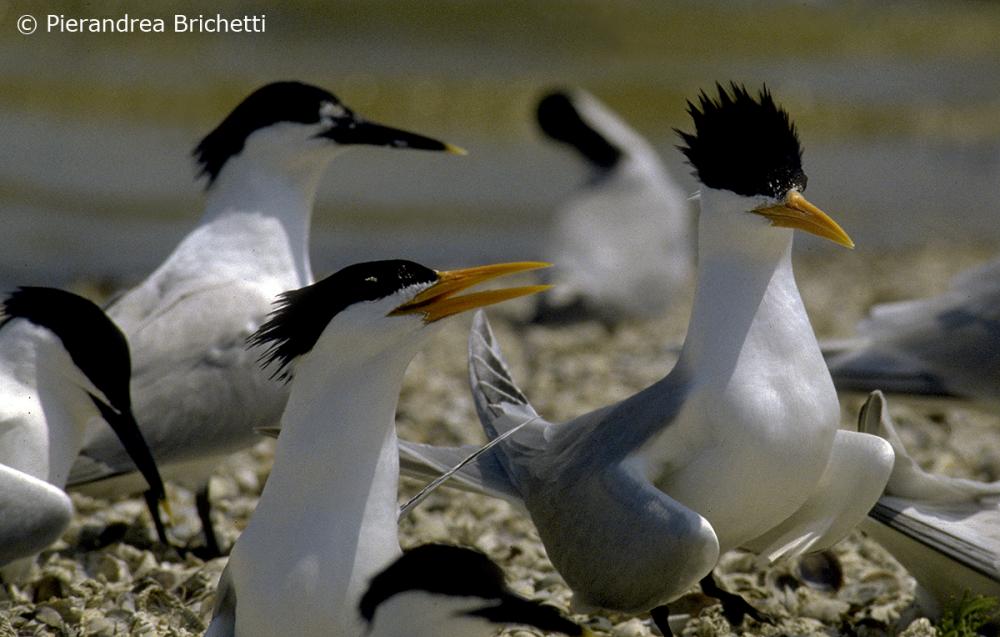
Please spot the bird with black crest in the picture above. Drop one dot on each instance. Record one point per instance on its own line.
(738, 446)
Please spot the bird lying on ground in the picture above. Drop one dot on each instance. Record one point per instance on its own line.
(944, 345)
(945, 531)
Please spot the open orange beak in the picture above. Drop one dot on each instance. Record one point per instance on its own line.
(439, 300)
(796, 212)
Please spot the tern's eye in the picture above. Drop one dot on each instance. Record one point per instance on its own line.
(371, 279)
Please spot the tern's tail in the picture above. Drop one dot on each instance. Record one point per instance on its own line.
(504, 413)
(482, 475)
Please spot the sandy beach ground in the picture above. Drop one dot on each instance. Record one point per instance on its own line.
(107, 577)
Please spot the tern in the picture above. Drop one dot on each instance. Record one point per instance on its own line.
(738, 446)
(63, 366)
(622, 244)
(198, 393)
(326, 520)
(437, 590)
(945, 531)
(945, 345)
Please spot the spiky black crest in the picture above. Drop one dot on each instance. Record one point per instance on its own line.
(745, 145)
(277, 102)
(559, 119)
(460, 572)
(93, 341)
(300, 316)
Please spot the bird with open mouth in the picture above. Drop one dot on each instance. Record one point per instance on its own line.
(326, 520)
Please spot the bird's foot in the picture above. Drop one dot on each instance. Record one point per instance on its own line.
(211, 550)
(661, 617)
(734, 607)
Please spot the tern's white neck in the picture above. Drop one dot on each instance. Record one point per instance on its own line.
(284, 192)
(745, 295)
(326, 521)
(45, 401)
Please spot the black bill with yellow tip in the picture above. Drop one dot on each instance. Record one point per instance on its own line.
(125, 427)
(796, 212)
(440, 300)
(361, 131)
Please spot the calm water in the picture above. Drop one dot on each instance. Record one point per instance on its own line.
(899, 110)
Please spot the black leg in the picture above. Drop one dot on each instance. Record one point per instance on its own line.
(661, 617)
(205, 515)
(734, 607)
(154, 512)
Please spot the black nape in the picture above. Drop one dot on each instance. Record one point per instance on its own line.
(300, 316)
(559, 119)
(276, 102)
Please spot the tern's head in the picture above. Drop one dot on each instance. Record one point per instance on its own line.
(367, 309)
(98, 361)
(746, 153)
(578, 119)
(95, 345)
(293, 127)
(437, 589)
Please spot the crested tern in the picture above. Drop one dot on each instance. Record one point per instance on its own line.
(945, 531)
(738, 446)
(945, 345)
(198, 393)
(64, 366)
(437, 590)
(622, 244)
(326, 520)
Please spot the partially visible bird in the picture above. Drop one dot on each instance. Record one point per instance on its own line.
(738, 446)
(198, 392)
(437, 590)
(63, 366)
(945, 531)
(326, 521)
(623, 243)
(944, 345)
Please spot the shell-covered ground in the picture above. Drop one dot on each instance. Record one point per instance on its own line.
(107, 577)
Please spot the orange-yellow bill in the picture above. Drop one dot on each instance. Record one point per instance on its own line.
(796, 212)
(440, 300)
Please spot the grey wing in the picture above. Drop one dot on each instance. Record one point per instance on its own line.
(940, 346)
(33, 514)
(620, 543)
(224, 614)
(947, 548)
(490, 379)
(501, 405)
(196, 390)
